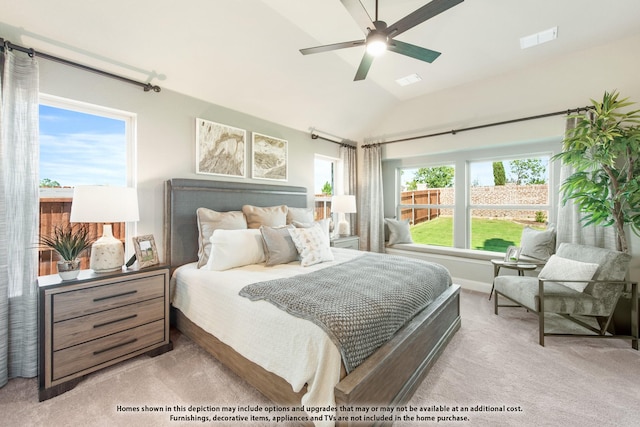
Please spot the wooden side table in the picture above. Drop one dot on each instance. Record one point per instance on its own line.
(521, 267)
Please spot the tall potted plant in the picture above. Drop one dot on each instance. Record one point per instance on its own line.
(68, 241)
(604, 150)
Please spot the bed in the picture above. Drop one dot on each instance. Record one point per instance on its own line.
(387, 377)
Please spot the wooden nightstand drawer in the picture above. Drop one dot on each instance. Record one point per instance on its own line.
(80, 357)
(81, 329)
(72, 304)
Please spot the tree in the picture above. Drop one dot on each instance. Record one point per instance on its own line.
(528, 171)
(436, 177)
(46, 182)
(604, 150)
(327, 188)
(499, 176)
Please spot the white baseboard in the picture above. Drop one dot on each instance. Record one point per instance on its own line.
(473, 285)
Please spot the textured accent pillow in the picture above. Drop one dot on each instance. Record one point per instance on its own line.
(210, 220)
(312, 244)
(538, 244)
(272, 216)
(299, 215)
(235, 248)
(559, 269)
(399, 231)
(278, 245)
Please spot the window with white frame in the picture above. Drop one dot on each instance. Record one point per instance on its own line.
(507, 195)
(427, 200)
(473, 200)
(325, 184)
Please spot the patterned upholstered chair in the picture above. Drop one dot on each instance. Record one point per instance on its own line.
(563, 287)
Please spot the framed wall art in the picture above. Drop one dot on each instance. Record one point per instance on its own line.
(269, 158)
(220, 149)
(146, 252)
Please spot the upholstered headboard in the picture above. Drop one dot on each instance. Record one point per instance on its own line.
(184, 196)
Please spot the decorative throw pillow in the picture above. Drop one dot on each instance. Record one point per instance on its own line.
(312, 244)
(299, 215)
(399, 231)
(559, 269)
(235, 248)
(538, 244)
(210, 220)
(278, 245)
(272, 216)
(324, 224)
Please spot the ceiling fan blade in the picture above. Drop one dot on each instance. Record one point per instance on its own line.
(359, 13)
(363, 69)
(329, 47)
(417, 52)
(420, 15)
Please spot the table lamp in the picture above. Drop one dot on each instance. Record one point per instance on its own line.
(343, 205)
(105, 204)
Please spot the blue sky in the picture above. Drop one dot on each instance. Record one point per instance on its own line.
(81, 149)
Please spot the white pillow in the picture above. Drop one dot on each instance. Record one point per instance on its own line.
(558, 269)
(399, 231)
(210, 220)
(235, 248)
(312, 244)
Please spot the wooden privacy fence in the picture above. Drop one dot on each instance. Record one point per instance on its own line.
(54, 212)
(420, 197)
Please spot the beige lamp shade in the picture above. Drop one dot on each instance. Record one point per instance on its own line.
(104, 204)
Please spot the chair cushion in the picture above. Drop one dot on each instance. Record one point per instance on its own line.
(613, 264)
(558, 298)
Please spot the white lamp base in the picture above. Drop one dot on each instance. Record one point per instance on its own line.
(107, 253)
(343, 228)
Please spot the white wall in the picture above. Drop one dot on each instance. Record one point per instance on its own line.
(166, 135)
(557, 86)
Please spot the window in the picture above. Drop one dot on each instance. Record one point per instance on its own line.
(506, 196)
(427, 200)
(80, 144)
(476, 199)
(325, 169)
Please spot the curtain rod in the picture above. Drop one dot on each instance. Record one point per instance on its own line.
(31, 52)
(506, 122)
(343, 144)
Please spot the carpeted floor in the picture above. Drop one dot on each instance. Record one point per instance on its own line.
(493, 373)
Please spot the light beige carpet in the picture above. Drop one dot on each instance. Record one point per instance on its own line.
(492, 363)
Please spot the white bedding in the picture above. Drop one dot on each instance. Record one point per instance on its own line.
(295, 349)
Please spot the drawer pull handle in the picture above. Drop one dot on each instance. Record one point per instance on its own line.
(114, 296)
(95, 353)
(99, 325)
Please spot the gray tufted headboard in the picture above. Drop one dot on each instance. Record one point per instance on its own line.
(184, 196)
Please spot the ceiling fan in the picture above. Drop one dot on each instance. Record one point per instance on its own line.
(380, 37)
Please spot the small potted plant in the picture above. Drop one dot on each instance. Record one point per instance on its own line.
(69, 241)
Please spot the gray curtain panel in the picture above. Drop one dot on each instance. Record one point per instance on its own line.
(19, 206)
(569, 228)
(349, 177)
(371, 202)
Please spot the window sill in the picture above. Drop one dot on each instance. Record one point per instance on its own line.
(441, 250)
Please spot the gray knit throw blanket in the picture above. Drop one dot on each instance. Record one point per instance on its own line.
(360, 303)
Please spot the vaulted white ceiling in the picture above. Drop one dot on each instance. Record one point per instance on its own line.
(244, 54)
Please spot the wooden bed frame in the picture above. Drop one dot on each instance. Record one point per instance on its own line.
(388, 377)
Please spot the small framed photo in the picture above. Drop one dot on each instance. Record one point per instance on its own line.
(512, 255)
(146, 252)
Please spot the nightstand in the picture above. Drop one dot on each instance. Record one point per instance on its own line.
(98, 320)
(348, 242)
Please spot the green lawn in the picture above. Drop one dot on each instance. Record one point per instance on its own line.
(486, 234)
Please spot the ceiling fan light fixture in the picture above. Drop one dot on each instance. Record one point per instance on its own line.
(376, 43)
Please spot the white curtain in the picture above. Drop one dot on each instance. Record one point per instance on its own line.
(19, 213)
(570, 229)
(371, 202)
(349, 177)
